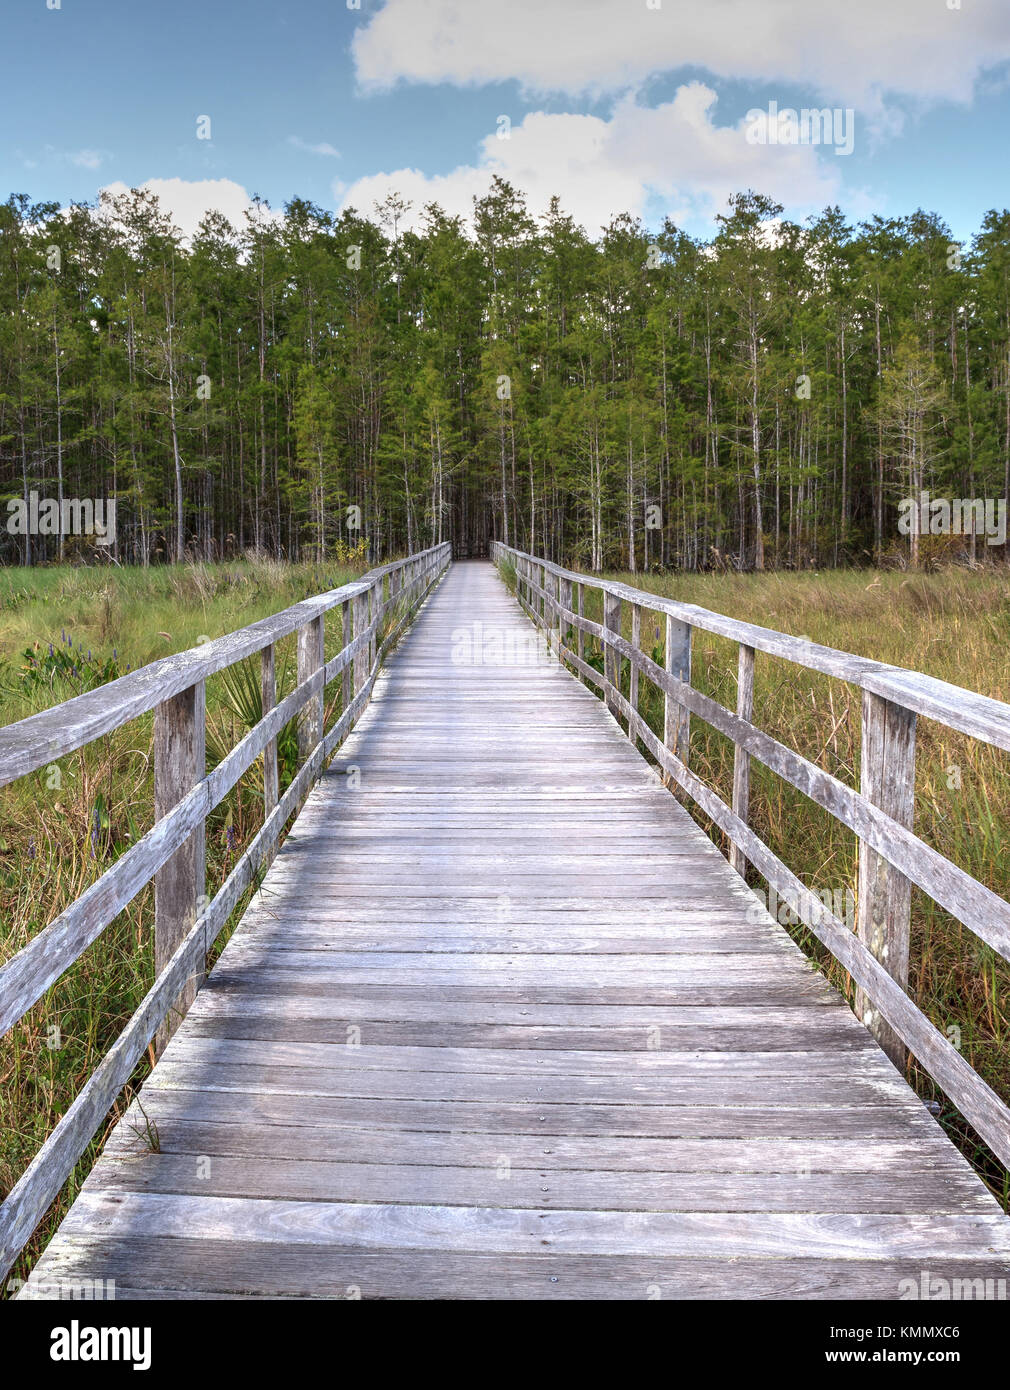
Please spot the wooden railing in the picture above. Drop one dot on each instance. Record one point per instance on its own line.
(187, 923)
(891, 856)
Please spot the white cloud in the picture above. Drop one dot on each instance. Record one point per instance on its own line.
(322, 148)
(187, 201)
(84, 159)
(598, 168)
(851, 50)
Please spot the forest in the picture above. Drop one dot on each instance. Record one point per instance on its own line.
(314, 387)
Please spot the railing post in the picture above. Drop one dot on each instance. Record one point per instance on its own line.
(611, 657)
(556, 613)
(310, 659)
(180, 762)
(741, 759)
(379, 590)
(565, 601)
(581, 639)
(268, 698)
(884, 898)
(361, 665)
(677, 719)
(373, 622)
(345, 638)
(636, 642)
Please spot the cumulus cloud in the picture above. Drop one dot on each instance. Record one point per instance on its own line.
(600, 167)
(188, 200)
(850, 50)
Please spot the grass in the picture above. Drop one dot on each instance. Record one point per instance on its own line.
(63, 631)
(955, 625)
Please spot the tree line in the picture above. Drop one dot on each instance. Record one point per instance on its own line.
(309, 385)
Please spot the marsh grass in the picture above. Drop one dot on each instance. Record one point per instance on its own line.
(953, 624)
(63, 631)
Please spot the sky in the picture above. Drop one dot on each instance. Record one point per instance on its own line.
(658, 108)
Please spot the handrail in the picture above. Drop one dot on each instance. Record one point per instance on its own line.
(40, 739)
(187, 923)
(891, 856)
(960, 709)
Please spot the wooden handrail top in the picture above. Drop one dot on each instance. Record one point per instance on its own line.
(40, 739)
(963, 710)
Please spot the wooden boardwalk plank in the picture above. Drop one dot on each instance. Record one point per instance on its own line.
(192, 1267)
(502, 1022)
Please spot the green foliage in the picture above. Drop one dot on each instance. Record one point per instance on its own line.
(641, 400)
(240, 709)
(59, 672)
(507, 570)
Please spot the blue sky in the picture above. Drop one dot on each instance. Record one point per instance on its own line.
(638, 105)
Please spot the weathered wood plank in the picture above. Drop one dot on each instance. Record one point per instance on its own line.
(268, 699)
(611, 658)
(884, 900)
(394, 1116)
(672, 1063)
(309, 661)
(180, 763)
(191, 1267)
(333, 1144)
(732, 1087)
(741, 759)
(405, 1227)
(504, 1184)
(676, 717)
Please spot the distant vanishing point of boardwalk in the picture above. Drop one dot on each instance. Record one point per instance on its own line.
(502, 1022)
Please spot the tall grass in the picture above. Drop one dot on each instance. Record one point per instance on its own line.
(63, 631)
(954, 625)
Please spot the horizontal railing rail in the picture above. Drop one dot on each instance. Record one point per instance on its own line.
(881, 813)
(187, 922)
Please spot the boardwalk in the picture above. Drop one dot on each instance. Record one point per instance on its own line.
(502, 1022)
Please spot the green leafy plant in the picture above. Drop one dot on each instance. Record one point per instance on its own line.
(241, 709)
(53, 667)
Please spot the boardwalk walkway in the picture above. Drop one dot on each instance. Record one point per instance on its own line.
(502, 1022)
